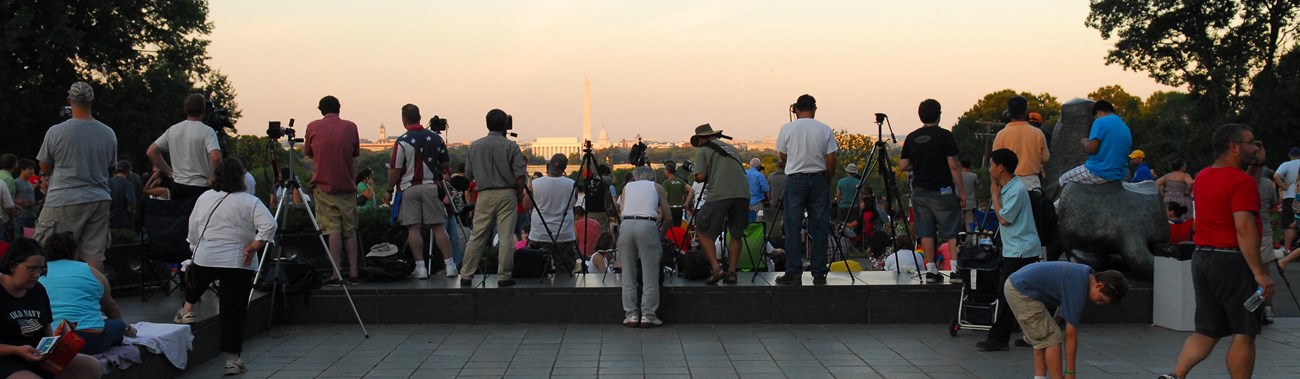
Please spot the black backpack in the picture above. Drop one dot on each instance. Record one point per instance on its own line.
(694, 265)
(1044, 216)
(387, 269)
(296, 274)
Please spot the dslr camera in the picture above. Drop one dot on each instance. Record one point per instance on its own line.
(437, 124)
(275, 131)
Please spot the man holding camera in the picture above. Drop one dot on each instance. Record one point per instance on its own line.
(419, 158)
(808, 148)
(333, 145)
(193, 148)
(499, 167)
(76, 154)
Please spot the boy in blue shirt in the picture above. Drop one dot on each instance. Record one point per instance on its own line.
(1067, 287)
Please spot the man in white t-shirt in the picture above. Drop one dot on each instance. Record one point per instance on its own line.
(808, 148)
(552, 219)
(1285, 178)
(192, 146)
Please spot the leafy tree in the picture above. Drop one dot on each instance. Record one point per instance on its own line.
(1126, 105)
(975, 129)
(1165, 131)
(1272, 111)
(141, 57)
(1212, 47)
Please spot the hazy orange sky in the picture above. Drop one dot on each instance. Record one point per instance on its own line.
(656, 68)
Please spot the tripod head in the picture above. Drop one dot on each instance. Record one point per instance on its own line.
(882, 120)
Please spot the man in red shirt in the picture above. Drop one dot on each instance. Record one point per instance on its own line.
(1226, 268)
(333, 145)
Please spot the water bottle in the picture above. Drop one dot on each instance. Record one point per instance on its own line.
(1255, 300)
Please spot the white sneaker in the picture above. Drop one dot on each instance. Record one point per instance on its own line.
(420, 273)
(453, 271)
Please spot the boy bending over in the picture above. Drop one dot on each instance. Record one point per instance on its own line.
(1065, 286)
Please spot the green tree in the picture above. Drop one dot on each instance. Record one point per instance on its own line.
(976, 127)
(142, 58)
(1126, 105)
(1212, 47)
(1272, 111)
(1165, 132)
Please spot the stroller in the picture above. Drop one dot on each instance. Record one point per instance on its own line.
(979, 265)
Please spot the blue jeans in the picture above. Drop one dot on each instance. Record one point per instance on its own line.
(109, 336)
(806, 194)
(453, 234)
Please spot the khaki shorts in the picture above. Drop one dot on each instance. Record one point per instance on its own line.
(1040, 328)
(88, 223)
(421, 206)
(336, 212)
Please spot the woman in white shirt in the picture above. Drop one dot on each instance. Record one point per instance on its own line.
(226, 229)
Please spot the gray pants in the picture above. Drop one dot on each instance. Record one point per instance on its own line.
(638, 240)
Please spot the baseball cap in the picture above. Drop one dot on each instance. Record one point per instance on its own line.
(1137, 154)
(1034, 117)
(81, 92)
(1295, 151)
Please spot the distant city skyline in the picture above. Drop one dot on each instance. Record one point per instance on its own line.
(653, 69)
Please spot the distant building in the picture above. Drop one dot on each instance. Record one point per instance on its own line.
(545, 147)
(381, 144)
(767, 143)
(602, 141)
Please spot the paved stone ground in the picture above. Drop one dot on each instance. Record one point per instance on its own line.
(715, 351)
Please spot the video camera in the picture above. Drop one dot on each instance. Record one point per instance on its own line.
(439, 125)
(636, 156)
(217, 118)
(275, 131)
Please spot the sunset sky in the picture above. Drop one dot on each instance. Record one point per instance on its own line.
(656, 68)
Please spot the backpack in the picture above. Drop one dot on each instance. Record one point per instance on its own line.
(694, 265)
(387, 269)
(296, 274)
(1044, 216)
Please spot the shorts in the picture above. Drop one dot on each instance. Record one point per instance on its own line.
(936, 215)
(88, 223)
(13, 364)
(336, 212)
(1223, 282)
(1288, 215)
(1080, 175)
(1040, 328)
(421, 206)
(727, 214)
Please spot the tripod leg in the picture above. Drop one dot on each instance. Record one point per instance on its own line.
(335, 266)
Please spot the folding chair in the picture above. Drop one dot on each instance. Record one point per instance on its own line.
(166, 227)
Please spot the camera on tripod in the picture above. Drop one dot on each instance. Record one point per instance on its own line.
(636, 156)
(438, 125)
(275, 131)
(586, 146)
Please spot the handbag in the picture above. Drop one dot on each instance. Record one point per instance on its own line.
(191, 279)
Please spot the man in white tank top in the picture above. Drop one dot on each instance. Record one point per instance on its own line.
(644, 206)
(552, 219)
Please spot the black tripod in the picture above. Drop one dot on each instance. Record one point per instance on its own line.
(287, 187)
(878, 159)
(550, 255)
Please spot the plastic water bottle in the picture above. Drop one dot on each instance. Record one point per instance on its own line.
(1255, 300)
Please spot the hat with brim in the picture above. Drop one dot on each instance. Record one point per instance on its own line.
(1137, 154)
(851, 168)
(702, 132)
(382, 250)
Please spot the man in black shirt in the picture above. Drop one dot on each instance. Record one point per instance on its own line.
(937, 194)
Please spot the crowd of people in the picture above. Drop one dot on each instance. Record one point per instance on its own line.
(63, 210)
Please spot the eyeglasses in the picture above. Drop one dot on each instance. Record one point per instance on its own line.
(37, 269)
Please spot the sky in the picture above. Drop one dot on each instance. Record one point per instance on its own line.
(656, 68)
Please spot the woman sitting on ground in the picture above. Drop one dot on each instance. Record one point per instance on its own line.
(157, 187)
(226, 229)
(25, 317)
(81, 294)
(603, 258)
(366, 188)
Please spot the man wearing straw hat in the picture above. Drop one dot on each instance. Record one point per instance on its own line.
(718, 165)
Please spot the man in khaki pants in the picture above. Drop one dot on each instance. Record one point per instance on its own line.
(498, 166)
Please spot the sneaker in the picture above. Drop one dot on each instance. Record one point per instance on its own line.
(354, 280)
(790, 280)
(183, 317)
(333, 282)
(987, 345)
(453, 270)
(632, 322)
(464, 282)
(420, 273)
(235, 368)
(1268, 315)
(714, 278)
(933, 277)
(954, 279)
(651, 322)
(730, 277)
(505, 283)
(1167, 376)
(819, 280)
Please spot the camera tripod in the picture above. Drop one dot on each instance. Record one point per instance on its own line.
(287, 186)
(878, 159)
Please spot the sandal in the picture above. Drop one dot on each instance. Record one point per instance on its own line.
(730, 278)
(714, 278)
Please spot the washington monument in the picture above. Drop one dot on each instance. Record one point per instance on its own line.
(586, 110)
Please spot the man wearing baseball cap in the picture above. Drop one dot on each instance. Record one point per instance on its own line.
(76, 153)
(1142, 172)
